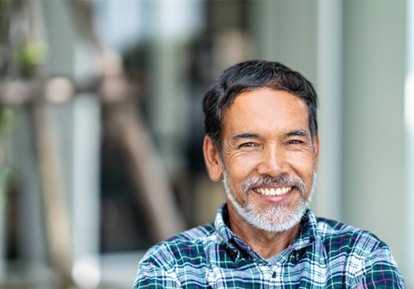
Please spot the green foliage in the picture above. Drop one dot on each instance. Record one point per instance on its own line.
(7, 121)
(7, 175)
(136, 57)
(6, 181)
(11, 16)
(32, 54)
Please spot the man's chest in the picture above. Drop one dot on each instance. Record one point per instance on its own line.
(305, 274)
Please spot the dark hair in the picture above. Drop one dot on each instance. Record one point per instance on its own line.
(250, 75)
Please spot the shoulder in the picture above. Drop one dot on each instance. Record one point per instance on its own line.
(185, 247)
(364, 256)
(346, 238)
(362, 250)
(169, 262)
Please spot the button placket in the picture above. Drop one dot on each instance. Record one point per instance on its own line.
(276, 272)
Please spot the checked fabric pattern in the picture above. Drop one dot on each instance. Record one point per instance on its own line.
(326, 254)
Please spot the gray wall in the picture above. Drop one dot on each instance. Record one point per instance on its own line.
(357, 63)
(373, 123)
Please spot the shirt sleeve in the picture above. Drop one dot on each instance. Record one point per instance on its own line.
(379, 270)
(153, 277)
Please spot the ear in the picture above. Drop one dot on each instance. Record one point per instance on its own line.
(212, 158)
(316, 151)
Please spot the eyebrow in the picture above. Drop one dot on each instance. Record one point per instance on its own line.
(242, 135)
(300, 132)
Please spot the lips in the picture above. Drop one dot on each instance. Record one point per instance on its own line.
(273, 191)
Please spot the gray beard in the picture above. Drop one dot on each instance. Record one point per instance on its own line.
(276, 218)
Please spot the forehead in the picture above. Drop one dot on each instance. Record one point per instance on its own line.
(267, 109)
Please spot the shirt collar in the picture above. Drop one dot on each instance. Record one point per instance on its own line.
(307, 235)
(308, 232)
(223, 231)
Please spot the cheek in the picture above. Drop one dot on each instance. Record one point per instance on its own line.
(241, 166)
(303, 164)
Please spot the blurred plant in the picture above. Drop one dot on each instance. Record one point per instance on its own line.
(6, 183)
(7, 121)
(136, 58)
(9, 9)
(20, 52)
(7, 176)
(10, 39)
(30, 56)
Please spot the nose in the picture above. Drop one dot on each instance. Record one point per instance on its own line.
(272, 162)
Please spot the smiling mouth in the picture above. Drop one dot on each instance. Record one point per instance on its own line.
(273, 191)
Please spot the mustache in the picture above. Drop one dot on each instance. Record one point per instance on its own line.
(281, 180)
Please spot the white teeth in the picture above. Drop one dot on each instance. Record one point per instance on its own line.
(274, 192)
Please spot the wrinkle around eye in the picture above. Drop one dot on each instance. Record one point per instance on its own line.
(235, 151)
(299, 146)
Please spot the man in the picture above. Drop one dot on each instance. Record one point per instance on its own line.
(262, 141)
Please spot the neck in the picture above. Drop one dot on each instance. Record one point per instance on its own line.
(266, 244)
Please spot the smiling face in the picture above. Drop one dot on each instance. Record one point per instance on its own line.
(268, 159)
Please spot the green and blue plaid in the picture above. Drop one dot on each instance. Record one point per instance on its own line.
(326, 254)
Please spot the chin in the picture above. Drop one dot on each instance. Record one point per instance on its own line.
(272, 218)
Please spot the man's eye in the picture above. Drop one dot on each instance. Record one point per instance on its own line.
(295, 141)
(248, 145)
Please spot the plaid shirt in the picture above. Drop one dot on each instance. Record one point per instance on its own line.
(326, 254)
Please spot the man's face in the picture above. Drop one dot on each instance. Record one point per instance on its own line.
(268, 159)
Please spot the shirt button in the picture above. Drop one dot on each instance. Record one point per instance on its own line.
(274, 274)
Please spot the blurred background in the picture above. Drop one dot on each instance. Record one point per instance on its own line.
(101, 123)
